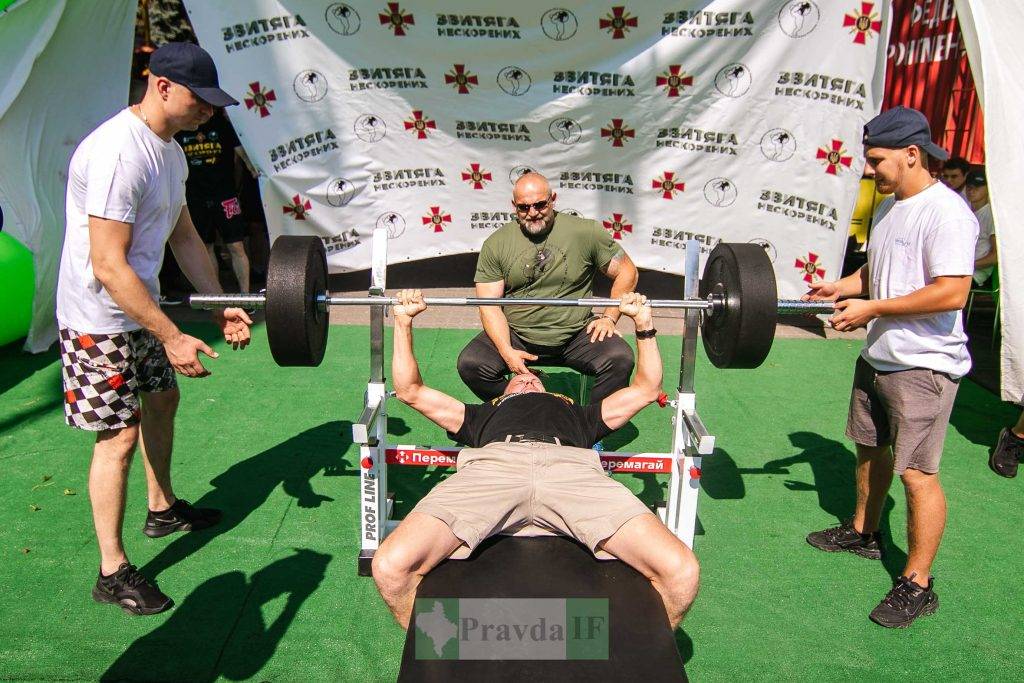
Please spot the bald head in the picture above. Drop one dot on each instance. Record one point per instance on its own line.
(524, 384)
(530, 183)
(534, 203)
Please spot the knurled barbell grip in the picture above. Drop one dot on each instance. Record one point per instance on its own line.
(210, 302)
(251, 301)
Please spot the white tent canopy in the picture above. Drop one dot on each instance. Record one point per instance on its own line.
(992, 30)
(64, 67)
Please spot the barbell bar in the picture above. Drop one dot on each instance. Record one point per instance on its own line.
(252, 301)
(737, 295)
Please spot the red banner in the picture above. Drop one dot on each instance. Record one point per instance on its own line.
(927, 69)
(650, 463)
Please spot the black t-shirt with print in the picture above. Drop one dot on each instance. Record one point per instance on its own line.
(532, 413)
(210, 151)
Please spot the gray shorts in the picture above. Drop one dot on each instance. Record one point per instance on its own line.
(908, 409)
(531, 488)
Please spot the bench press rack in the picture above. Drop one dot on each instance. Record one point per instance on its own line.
(690, 438)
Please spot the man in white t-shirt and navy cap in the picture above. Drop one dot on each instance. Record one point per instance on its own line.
(119, 351)
(918, 275)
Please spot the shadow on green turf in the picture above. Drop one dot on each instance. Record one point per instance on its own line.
(685, 645)
(219, 629)
(720, 477)
(397, 426)
(246, 485)
(17, 365)
(620, 438)
(974, 417)
(653, 491)
(20, 418)
(832, 467)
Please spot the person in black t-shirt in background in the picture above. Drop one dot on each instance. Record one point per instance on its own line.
(529, 470)
(210, 191)
(257, 239)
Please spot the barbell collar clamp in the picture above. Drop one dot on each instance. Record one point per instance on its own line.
(716, 302)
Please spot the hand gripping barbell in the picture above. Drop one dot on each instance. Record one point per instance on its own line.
(737, 296)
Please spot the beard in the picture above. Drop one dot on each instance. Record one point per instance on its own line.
(536, 227)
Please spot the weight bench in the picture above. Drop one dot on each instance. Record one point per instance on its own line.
(640, 645)
(690, 438)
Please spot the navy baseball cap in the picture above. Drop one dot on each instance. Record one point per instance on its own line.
(192, 67)
(901, 127)
(977, 178)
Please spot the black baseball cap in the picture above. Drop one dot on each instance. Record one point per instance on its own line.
(977, 178)
(192, 67)
(901, 127)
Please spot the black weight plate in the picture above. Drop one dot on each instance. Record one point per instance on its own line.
(296, 324)
(740, 334)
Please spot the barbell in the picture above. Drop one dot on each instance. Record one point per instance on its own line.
(737, 298)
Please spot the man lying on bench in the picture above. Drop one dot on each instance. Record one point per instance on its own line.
(530, 466)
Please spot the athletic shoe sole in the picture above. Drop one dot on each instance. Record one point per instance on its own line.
(129, 605)
(166, 530)
(860, 552)
(161, 531)
(929, 609)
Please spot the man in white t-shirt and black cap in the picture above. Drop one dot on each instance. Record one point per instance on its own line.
(119, 351)
(918, 275)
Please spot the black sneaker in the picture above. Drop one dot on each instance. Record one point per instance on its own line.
(904, 603)
(182, 516)
(130, 590)
(1008, 452)
(845, 537)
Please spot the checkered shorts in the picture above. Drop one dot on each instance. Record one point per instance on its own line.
(104, 373)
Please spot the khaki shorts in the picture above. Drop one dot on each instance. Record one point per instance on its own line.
(531, 488)
(908, 409)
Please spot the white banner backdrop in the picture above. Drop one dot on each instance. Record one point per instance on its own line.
(663, 120)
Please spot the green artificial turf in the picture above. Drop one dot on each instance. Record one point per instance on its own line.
(272, 593)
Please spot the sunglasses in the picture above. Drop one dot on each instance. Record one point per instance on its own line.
(536, 206)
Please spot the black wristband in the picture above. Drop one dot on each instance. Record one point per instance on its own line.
(646, 334)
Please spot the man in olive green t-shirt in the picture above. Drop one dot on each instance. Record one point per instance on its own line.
(545, 254)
